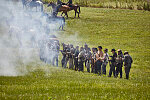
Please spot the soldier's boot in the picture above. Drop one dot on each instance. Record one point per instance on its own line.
(104, 72)
(127, 76)
(116, 74)
(62, 64)
(100, 72)
(92, 71)
(57, 61)
(110, 72)
(75, 68)
(120, 74)
(88, 70)
(109, 75)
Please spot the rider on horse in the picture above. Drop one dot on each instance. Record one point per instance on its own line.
(69, 3)
(60, 3)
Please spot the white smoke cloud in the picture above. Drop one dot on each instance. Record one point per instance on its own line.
(21, 32)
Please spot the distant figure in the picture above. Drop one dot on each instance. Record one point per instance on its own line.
(99, 57)
(113, 63)
(88, 58)
(76, 58)
(81, 59)
(63, 61)
(93, 60)
(85, 50)
(105, 61)
(119, 63)
(71, 53)
(127, 63)
(55, 49)
(67, 54)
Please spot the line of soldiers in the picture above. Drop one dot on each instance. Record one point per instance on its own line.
(96, 60)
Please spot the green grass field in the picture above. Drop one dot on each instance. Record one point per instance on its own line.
(120, 29)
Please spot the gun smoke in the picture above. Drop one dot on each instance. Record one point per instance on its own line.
(21, 34)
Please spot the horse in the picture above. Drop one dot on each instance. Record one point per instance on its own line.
(54, 19)
(32, 4)
(59, 19)
(65, 8)
(24, 3)
(36, 4)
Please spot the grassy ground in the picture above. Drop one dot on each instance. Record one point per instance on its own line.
(125, 29)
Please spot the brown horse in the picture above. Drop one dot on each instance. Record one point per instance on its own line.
(64, 8)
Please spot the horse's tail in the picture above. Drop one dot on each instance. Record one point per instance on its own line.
(79, 9)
